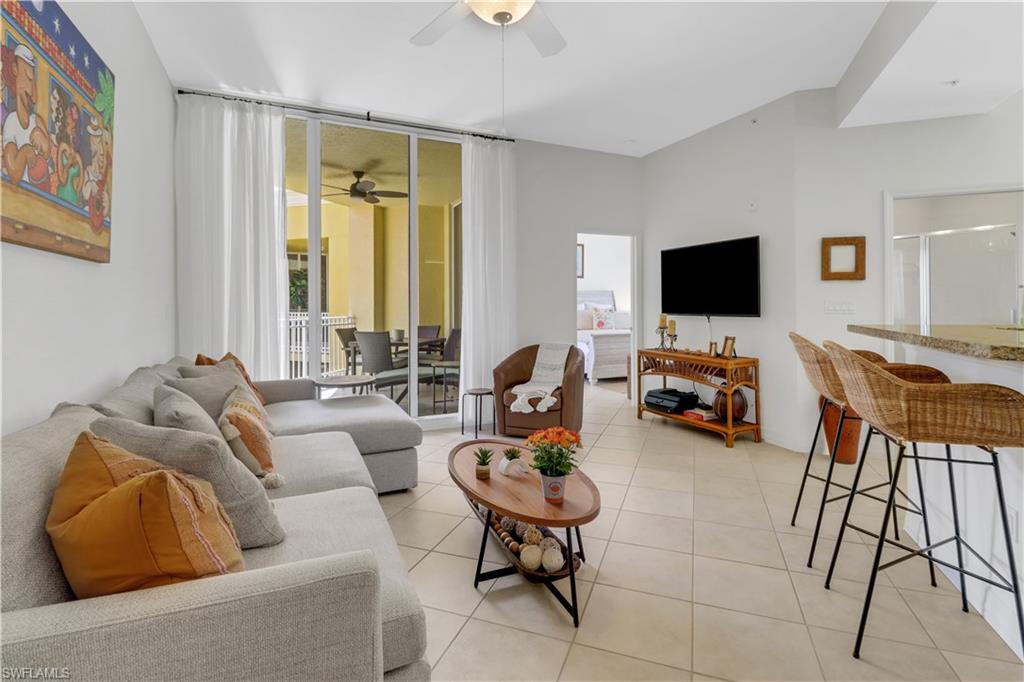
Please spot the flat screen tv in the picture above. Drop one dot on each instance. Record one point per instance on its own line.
(721, 279)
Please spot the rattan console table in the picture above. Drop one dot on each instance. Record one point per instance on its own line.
(724, 374)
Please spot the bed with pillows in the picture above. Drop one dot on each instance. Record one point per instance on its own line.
(603, 333)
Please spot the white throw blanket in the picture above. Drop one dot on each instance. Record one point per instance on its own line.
(547, 376)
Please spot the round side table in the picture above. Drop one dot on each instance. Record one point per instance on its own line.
(359, 383)
(477, 394)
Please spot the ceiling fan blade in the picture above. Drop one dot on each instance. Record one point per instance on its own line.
(371, 199)
(389, 193)
(365, 185)
(443, 23)
(541, 32)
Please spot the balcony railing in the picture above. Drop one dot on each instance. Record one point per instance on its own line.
(332, 358)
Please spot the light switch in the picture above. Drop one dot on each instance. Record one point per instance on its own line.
(839, 308)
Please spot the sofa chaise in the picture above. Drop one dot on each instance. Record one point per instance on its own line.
(332, 601)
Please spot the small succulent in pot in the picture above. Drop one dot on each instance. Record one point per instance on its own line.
(511, 461)
(483, 462)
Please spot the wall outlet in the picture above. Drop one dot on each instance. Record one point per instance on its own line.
(839, 308)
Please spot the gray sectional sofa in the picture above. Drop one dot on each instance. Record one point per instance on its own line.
(332, 601)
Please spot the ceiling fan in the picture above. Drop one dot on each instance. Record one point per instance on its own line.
(528, 13)
(364, 189)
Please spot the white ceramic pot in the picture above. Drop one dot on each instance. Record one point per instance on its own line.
(554, 488)
(510, 467)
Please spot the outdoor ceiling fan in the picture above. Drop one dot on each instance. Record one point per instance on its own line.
(364, 189)
(528, 13)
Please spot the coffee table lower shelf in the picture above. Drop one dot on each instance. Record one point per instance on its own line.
(547, 579)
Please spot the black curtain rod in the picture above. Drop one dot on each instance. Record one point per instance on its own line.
(368, 117)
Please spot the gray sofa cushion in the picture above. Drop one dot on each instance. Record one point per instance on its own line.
(209, 391)
(209, 458)
(375, 423)
(134, 398)
(345, 520)
(33, 460)
(176, 410)
(314, 462)
(196, 371)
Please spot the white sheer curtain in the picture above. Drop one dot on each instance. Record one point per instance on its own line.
(488, 257)
(231, 259)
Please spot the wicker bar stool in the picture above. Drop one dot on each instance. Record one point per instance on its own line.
(981, 415)
(822, 375)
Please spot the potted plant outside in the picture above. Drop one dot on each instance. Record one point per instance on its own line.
(483, 463)
(553, 457)
(511, 461)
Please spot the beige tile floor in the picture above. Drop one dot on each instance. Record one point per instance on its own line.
(693, 572)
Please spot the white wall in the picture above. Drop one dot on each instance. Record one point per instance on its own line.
(606, 266)
(841, 175)
(73, 329)
(701, 190)
(793, 177)
(561, 192)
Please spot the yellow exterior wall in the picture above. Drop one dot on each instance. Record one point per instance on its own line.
(367, 251)
(395, 267)
(334, 221)
(366, 274)
(433, 257)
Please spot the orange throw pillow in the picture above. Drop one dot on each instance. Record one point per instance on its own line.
(243, 426)
(206, 360)
(120, 522)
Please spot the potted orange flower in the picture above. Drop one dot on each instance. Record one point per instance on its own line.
(553, 457)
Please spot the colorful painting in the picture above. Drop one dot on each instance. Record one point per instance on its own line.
(58, 134)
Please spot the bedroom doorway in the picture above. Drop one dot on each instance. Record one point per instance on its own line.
(604, 307)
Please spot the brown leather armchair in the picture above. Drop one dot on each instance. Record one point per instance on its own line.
(568, 408)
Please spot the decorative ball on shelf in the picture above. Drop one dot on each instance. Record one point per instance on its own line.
(532, 536)
(521, 527)
(552, 560)
(549, 543)
(739, 405)
(508, 523)
(504, 536)
(514, 546)
(531, 557)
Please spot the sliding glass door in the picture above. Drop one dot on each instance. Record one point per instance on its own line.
(385, 280)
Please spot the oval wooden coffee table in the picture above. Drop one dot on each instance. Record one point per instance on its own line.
(520, 497)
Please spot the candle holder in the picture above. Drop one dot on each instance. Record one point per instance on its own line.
(661, 338)
(672, 341)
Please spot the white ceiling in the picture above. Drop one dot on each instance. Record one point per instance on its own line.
(977, 44)
(635, 77)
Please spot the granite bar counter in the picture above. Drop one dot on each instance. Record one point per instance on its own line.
(988, 342)
(989, 354)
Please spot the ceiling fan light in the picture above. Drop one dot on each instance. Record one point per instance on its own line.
(489, 9)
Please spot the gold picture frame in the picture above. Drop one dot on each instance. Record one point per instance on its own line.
(728, 346)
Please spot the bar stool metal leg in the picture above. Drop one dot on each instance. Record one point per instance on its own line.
(888, 461)
(828, 484)
(924, 515)
(878, 550)
(849, 507)
(1014, 579)
(810, 458)
(956, 530)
